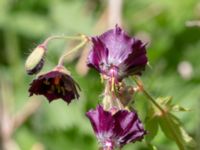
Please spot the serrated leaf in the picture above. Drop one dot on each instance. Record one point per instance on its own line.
(165, 127)
(189, 141)
(166, 104)
(172, 128)
(165, 100)
(178, 108)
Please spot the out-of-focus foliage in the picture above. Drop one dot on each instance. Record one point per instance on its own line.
(58, 126)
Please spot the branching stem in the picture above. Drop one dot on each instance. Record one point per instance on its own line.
(168, 119)
(140, 85)
(45, 43)
(84, 41)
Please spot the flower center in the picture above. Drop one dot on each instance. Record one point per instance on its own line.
(109, 145)
(113, 74)
(113, 71)
(57, 80)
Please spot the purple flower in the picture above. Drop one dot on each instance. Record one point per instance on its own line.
(115, 130)
(117, 55)
(55, 84)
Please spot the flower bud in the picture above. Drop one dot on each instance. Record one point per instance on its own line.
(35, 60)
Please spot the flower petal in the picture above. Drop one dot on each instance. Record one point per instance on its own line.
(128, 127)
(98, 55)
(102, 121)
(119, 45)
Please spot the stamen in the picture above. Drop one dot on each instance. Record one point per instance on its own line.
(49, 91)
(46, 82)
(101, 76)
(52, 88)
(112, 84)
(63, 90)
(57, 80)
(58, 88)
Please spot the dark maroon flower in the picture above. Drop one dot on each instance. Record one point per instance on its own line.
(55, 84)
(117, 55)
(116, 130)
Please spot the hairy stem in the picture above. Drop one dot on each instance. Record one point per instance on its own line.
(61, 37)
(140, 85)
(62, 58)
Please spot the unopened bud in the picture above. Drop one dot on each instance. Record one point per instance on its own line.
(35, 60)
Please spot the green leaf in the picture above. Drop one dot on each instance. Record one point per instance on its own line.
(166, 103)
(151, 146)
(151, 126)
(165, 127)
(188, 140)
(173, 129)
(178, 108)
(165, 100)
(170, 124)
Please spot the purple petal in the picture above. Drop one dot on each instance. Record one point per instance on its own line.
(137, 60)
(118, 43)
(102, 121)
(128, 127)
(99, 54)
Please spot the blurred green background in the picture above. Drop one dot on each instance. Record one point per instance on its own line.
(171, 28)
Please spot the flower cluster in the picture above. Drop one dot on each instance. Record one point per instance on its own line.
(54, 84)
(116, 56)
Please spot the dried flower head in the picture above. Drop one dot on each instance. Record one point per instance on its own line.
(116, 130)
(117, 55)
(55, 84)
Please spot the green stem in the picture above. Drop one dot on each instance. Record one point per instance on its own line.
(62, 58)
(168, 119)
(153, 100)
(149, 96)
(61, 37)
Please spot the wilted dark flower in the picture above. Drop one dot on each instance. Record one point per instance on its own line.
(116, 130)
(55, 84)
(117, 55)
(35, 60)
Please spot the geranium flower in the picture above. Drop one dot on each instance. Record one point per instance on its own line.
(115, 130)
(55, 84)
(117, 55)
